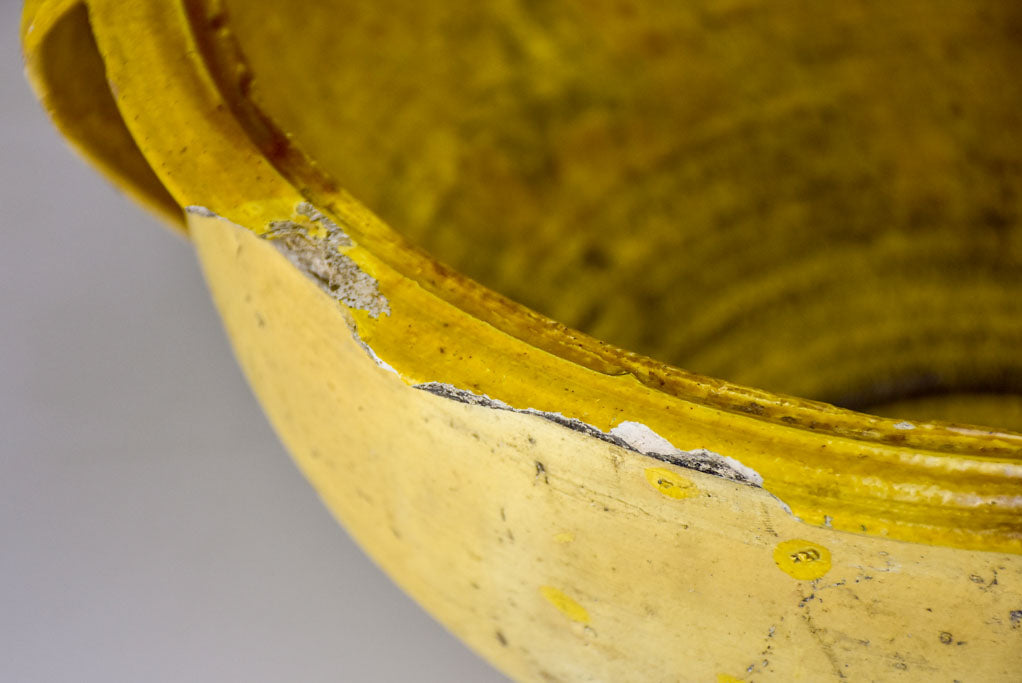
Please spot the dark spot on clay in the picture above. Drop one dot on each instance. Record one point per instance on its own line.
(789, 419)
(946, 637)
(541, 472)
(501, 639)
(975, 578)
(752, 408)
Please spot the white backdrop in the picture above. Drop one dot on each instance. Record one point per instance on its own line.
(151, 526)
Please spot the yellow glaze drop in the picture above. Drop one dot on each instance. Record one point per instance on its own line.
(670, 483)
(801, 559)
(567, 605)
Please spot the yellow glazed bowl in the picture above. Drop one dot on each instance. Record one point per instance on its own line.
(432, 228)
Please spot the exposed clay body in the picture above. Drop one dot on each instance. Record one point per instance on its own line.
(631, 435)
(314, 247)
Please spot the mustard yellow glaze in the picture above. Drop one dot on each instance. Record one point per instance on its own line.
(59, 46)
(933, 483)
(819, 202)
(475, 447)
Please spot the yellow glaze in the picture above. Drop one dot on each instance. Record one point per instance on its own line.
(670, 483)
(565, 604)
(571, 510)
(803, 560)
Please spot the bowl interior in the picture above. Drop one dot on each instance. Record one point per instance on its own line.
(820, 200)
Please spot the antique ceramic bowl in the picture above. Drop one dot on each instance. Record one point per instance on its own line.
(432, 228)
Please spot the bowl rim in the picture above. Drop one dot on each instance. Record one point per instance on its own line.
(209, 90)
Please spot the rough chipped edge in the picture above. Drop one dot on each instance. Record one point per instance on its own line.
(372, 354)
(632, 436)
(700, 459)
(644, 440)
(373, 302)
(316, 216)
(197, 210)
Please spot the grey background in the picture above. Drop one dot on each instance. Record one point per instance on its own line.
(151, 526)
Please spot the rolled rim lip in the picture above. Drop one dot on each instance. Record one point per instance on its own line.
(943, 446)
